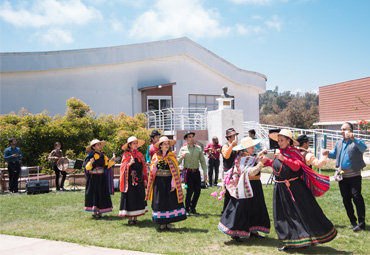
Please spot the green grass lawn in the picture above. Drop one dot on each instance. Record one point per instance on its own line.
(60, 216)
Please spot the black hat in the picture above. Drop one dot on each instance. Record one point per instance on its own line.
(188, 133)
(154, 133)
(302, 139)
(230, 132)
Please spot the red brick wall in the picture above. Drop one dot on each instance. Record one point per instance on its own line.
(337, 102)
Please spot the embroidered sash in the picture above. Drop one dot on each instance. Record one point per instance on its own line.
(171, 160)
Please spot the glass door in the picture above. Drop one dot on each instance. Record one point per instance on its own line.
(158, 102)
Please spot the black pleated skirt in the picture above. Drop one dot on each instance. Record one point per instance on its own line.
(301, 222)
(244, 216)
(165, 206)
(97, 197)
(133, 202)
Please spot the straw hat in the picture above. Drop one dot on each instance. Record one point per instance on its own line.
(286, 133)
(130, 140)
(93, 142)
(164, 139)
(246, 142)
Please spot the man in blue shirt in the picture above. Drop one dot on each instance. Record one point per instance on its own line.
(13, 156)
(349, 158)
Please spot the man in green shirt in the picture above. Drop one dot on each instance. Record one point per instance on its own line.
(192, 155)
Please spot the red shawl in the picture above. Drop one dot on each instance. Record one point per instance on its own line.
(125, 169)
(317, 183)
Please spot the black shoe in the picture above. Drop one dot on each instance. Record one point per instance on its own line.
(359, 227)
(193, 211)
(236, 239)
(353, 224)
(284, 248)
(62, 189)
(187, 213)
(256, 234)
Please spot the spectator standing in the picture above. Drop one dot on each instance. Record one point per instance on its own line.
(13, 156)
(213, 150)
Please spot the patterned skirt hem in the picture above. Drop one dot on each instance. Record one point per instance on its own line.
(240, 233)
(96, 209)
(125, 213)
(309, 241)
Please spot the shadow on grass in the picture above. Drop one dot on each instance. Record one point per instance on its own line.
(184, 230)
(272, 242)
(267, 241)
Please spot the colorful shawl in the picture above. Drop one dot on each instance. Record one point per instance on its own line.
(109, 173)
(317, 183)
(125, 169)
(237, 180)
(170, 159)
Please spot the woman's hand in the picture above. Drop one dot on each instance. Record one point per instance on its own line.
(132, 161)
(263, 159)
(92, 160)
(172, 189)
(279, 156)
(145, 183)
(156, 162)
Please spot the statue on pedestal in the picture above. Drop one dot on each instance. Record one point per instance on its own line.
(225, 95)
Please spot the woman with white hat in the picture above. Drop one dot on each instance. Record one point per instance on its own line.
(246, 213)
(164, 186)
(299, 220)
(97, 196)
(133, 180)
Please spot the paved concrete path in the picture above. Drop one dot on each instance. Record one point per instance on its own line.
(16, 245)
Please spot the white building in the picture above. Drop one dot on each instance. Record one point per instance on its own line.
(130, 79)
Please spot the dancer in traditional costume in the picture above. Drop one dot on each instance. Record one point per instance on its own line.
(246, 214)
(133, 180)
(164, 186)
(298, 218)
(99, 181)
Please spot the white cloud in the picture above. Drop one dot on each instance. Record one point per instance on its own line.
(275, 23)
(257, 2)
(178, 18)
(46, 13)
(57, 36)
(51, 17)
(247, 30)
(116, 25)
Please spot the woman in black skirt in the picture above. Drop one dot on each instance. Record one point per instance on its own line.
(97, 196)
(133, 181)
(55, 155)
(164, 186)
(299, 220)
(246, 214)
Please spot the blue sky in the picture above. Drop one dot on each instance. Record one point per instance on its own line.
(299, 45)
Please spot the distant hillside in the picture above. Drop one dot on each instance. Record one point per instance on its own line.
(286, 109)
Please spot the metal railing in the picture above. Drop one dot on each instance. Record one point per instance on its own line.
(172, 119)
(332, 136)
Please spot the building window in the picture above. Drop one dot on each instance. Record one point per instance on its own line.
(155, 103)
(205, 101)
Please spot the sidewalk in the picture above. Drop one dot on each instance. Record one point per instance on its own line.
(16, 245)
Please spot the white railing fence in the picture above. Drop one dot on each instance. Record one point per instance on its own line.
(332, 136)
(172, 119)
